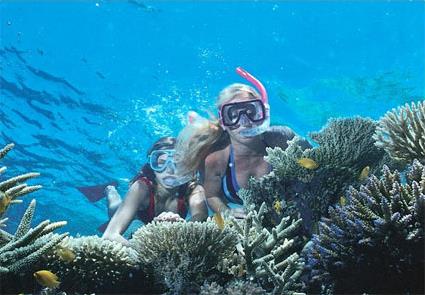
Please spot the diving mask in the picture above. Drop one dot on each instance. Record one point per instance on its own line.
(254, 110)
(161, 160)
(261, 113)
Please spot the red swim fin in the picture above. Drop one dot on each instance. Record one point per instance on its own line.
(96, 192)
(103, 227)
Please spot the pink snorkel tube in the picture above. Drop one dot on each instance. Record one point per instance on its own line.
(254, 81)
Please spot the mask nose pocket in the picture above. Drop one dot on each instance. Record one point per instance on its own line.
(244, 121)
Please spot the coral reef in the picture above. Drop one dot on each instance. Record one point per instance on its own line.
(234, 287)
(26, 247)
(345, 147)
(270, 257)
(240, 287)
(13, 187)
(182, 254)
(211, 289)
(97, 264)
(401, 132)
(20, 252)
(375, 242)
(371, 242)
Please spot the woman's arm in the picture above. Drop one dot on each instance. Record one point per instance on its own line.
(212, 182)
(137, 196)
(198, 204)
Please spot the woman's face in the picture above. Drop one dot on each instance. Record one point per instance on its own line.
(165, 177)
(244, 122)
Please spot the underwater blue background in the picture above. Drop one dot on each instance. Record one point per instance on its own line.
(87, 86)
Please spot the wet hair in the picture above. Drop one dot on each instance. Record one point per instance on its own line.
(164, 143)
(196, 141)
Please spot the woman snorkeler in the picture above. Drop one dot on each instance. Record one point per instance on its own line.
(154, 190)
(230, 150)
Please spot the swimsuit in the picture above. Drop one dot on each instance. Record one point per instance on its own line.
(148, 214)
(229, 182)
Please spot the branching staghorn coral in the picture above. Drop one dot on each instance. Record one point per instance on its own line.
(96, 264)
(28, 244)
(271, 256)
(14, 187)
(20, 252)
(345, 147)
(401, 132)
(375, 242)
(183, 254)
(5, 150)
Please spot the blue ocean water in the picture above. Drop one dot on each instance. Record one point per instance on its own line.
(87, 86)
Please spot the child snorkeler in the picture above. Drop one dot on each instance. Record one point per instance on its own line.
(154, 190)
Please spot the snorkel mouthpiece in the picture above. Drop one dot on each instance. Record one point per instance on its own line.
(264, 98)
(176, 180)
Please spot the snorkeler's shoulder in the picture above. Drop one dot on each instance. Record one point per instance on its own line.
(278, 136)
(216, 161)
(140, 182)
(142, 187)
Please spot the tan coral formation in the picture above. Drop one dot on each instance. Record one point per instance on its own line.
(96, 263)
(181, 254)
(401, 132)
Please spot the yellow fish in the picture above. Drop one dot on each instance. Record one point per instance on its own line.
(277, 206)
(46, 278)
(364, 173)
(219, 220)
(4, 203)
(307, 163)
(342, 201)
(65, 254)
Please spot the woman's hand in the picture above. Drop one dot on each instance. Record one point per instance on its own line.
(198, 204)
(116, 238)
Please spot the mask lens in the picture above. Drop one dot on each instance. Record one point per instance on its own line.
(159, 160)
(231, 114)
(255, 111)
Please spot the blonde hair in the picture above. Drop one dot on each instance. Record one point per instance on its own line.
(196, 140)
